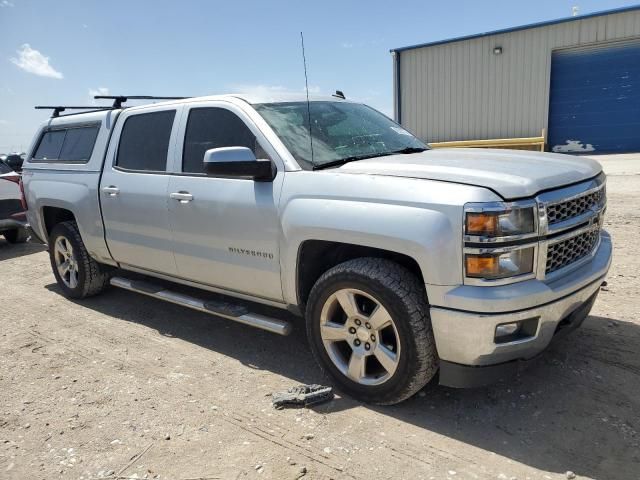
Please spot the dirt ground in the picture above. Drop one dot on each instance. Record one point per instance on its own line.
(124, 386)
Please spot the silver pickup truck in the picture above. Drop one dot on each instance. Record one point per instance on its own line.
(404, 261)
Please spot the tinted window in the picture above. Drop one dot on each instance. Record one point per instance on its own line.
(78, 144)
(144, 141)
(214, 128)
(4, 168)
(67, 145)
(50, 145)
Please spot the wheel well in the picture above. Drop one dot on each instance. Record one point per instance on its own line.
(54, 215)
(316, 257)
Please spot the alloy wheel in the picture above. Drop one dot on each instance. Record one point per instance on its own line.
(66, 263)
(360, 336)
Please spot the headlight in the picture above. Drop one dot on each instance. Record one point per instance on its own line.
(493, 266)
(501, 221)
(500, 242)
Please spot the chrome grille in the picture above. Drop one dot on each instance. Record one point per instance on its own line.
(575, 207)
(573, 249)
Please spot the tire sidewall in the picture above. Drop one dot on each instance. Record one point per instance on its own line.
(80, 253)
(399, 313)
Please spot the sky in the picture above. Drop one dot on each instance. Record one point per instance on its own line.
(66, 51)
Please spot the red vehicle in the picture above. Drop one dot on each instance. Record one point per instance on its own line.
(13, 224)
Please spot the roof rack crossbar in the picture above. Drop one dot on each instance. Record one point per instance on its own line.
(57, 109)
(118, 100)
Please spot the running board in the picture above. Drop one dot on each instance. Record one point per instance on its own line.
(230, 311)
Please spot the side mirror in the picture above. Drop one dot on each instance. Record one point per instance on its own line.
(238, 162)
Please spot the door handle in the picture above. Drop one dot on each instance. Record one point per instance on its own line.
(182, 197)
(111, 190)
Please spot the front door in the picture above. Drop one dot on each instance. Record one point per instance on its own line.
(225, 230)
(134, 191)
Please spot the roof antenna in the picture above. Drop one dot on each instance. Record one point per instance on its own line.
(306, 87)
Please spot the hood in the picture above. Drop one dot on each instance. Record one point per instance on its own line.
(510, 173)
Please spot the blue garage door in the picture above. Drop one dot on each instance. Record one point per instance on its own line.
(595, 99)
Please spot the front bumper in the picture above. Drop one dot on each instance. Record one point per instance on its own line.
(468, 376)
(466, 337)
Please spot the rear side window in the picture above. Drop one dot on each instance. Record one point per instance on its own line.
(4, 168)
(50, 145)
(144, 142)
(78, 144)
(214, 128)
(67, 145)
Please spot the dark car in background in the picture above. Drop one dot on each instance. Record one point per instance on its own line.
(12, 208)
(14, 161)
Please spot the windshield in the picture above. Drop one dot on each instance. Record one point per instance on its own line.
(340, 131)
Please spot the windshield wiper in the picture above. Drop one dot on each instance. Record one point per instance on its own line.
(354, 158)
(409, 150)
(342, 161)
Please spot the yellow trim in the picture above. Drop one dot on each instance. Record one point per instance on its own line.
(496, 143)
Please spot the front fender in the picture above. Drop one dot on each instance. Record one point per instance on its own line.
(428, 236)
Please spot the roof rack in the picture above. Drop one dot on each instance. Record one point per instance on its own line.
(57, 109)
(118, 100)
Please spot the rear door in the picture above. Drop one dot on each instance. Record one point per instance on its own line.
(226, 233)
(133, 190)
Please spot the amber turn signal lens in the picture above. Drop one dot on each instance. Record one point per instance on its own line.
(479, 266)
(481, 224)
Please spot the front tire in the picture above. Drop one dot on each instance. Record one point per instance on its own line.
(77, 274)
(369, 328)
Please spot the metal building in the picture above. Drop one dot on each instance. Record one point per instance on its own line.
(576, 79)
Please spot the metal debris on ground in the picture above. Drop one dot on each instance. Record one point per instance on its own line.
(302, 396)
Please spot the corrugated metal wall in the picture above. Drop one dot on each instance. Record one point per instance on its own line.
(463, 91)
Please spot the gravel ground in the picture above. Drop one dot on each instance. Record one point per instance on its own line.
(124, 386)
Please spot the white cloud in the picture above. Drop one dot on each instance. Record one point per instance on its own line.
(32, 61)
(6, 3)
(97, 91)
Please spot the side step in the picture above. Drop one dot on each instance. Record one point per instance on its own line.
(237, 313)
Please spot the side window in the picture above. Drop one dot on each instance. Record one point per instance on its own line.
(50, 145)
(78, 144)
(214, 128)
(144, 142)
(74, 144)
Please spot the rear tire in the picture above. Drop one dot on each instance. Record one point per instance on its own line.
(77, 274)
(379, 348)
(17, 235)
